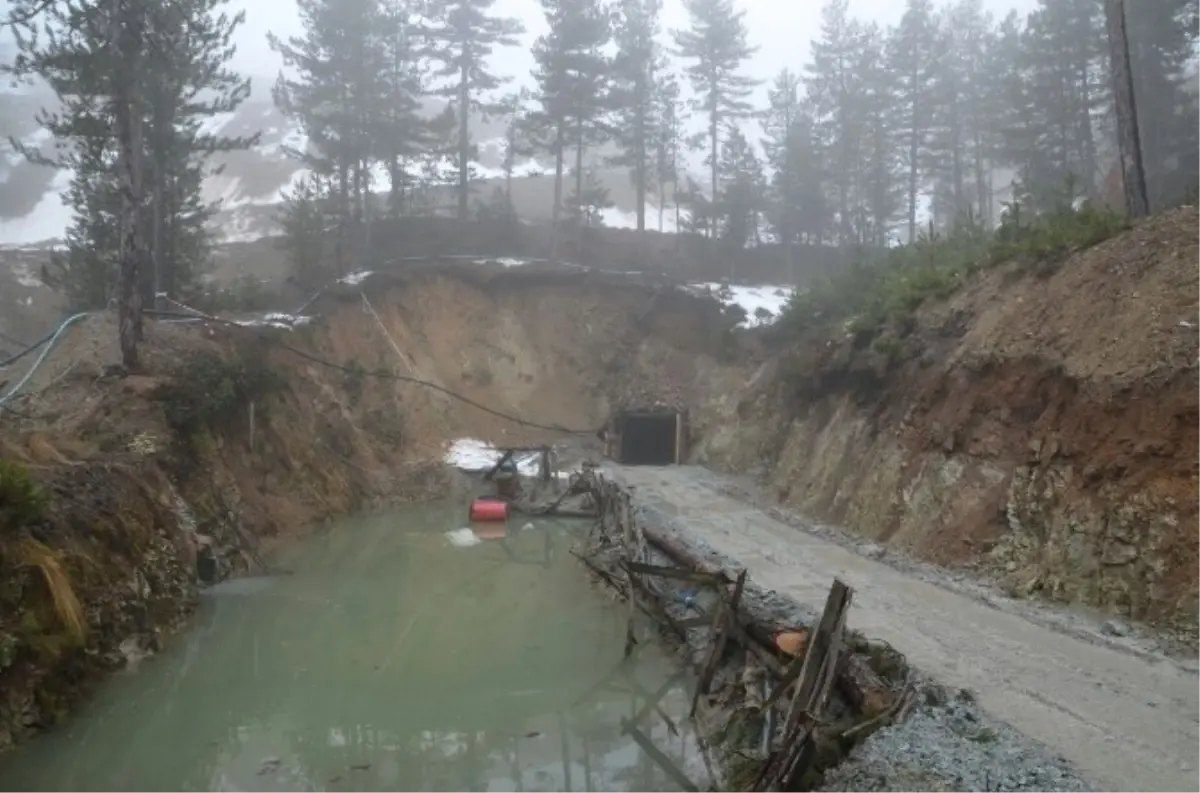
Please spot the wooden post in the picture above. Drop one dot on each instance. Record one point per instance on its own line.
(1129, 142)
(252, 426)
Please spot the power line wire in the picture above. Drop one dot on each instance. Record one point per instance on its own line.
(385, 375)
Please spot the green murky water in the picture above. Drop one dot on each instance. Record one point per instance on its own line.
(392, 659)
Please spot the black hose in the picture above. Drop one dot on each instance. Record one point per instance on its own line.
(27, 350)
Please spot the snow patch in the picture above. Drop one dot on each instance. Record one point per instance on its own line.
(505, 261)
(463, 538)
(25, 277)
(276, 320)
(468, 454)
(762, 304)
(354, 279)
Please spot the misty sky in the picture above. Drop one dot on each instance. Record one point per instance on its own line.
(781, 29)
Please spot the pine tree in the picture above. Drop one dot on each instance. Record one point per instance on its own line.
(879, 189)
(519, 134)
(305, 218)
(1065, 93)
(808, 222)
(635, 70)
(834, 90)
(587, 202)
(135, 79)
(188, 82)
(464, 34)
(740, 200)
(402, 134)
(572, 71)
(717, 47)
(668, 141)
(912, 61)
(1162, 46)
(961, 140)
(338, 66)
(779, 122)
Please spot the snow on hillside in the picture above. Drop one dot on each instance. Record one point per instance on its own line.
(252, 182)
(762, 304)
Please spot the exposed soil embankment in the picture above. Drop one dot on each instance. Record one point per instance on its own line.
(227, 440)
(1040, 424)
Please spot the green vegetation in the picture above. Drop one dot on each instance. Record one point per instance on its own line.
(21, 500)
(869, 296)
(210, 390)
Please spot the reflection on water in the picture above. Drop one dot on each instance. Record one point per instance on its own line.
(390, 660)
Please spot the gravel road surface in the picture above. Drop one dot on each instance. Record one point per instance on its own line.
(1125, 720)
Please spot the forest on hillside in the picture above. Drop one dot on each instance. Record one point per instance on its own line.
(850, 146)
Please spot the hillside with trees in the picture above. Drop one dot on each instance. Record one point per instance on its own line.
(880, 136)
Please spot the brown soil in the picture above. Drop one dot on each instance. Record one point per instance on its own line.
(557, 349)
(1042, 422)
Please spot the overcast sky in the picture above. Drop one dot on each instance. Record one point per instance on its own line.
(781, 29)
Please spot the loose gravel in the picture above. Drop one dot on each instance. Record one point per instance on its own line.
(949, 743)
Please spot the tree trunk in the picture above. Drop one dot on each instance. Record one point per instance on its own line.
(640, 153)
(1136, 202)
(156, 227)
(713, 138)
(339, 241)
(464, 140)
(558, 172)
(914, 149)
(128, 117)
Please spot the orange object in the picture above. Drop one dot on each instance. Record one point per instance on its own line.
(489, 510)
(792, 642)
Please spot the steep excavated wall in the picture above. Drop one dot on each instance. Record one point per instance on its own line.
(1042, 427)
(146, 473)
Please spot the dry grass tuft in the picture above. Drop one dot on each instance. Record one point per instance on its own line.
(66, 604)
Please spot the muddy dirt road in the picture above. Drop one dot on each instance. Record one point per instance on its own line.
(1125, 721)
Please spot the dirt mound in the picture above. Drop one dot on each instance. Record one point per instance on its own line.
(1124, 311)
(1041, 424)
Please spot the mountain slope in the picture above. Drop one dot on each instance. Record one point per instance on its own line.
(252, 182)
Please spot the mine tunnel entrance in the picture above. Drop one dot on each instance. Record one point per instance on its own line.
(648, 438)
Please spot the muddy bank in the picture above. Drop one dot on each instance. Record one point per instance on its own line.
(1039, 426)
(231, 440)
(884, 725)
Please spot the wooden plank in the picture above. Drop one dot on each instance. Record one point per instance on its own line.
(787, 767)
(673, 572)
(695, 622)
(652, 699)
(503, 459)
(653, 752)
(725, 614)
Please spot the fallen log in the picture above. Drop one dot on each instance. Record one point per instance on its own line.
(841, 686)
(759, 623)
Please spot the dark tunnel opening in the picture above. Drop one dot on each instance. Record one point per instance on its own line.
(648, 439)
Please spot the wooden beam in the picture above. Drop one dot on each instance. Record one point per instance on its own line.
(674, 572)
(653, 752)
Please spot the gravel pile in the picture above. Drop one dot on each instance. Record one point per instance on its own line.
(949, 743)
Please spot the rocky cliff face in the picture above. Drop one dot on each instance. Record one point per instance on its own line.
(1039, 426)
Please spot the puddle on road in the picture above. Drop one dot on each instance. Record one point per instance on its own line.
(391, 659)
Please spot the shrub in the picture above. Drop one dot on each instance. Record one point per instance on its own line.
(210, 390)
(887, 289)
(21, 500)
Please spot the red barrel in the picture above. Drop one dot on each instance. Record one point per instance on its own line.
(489, 509)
